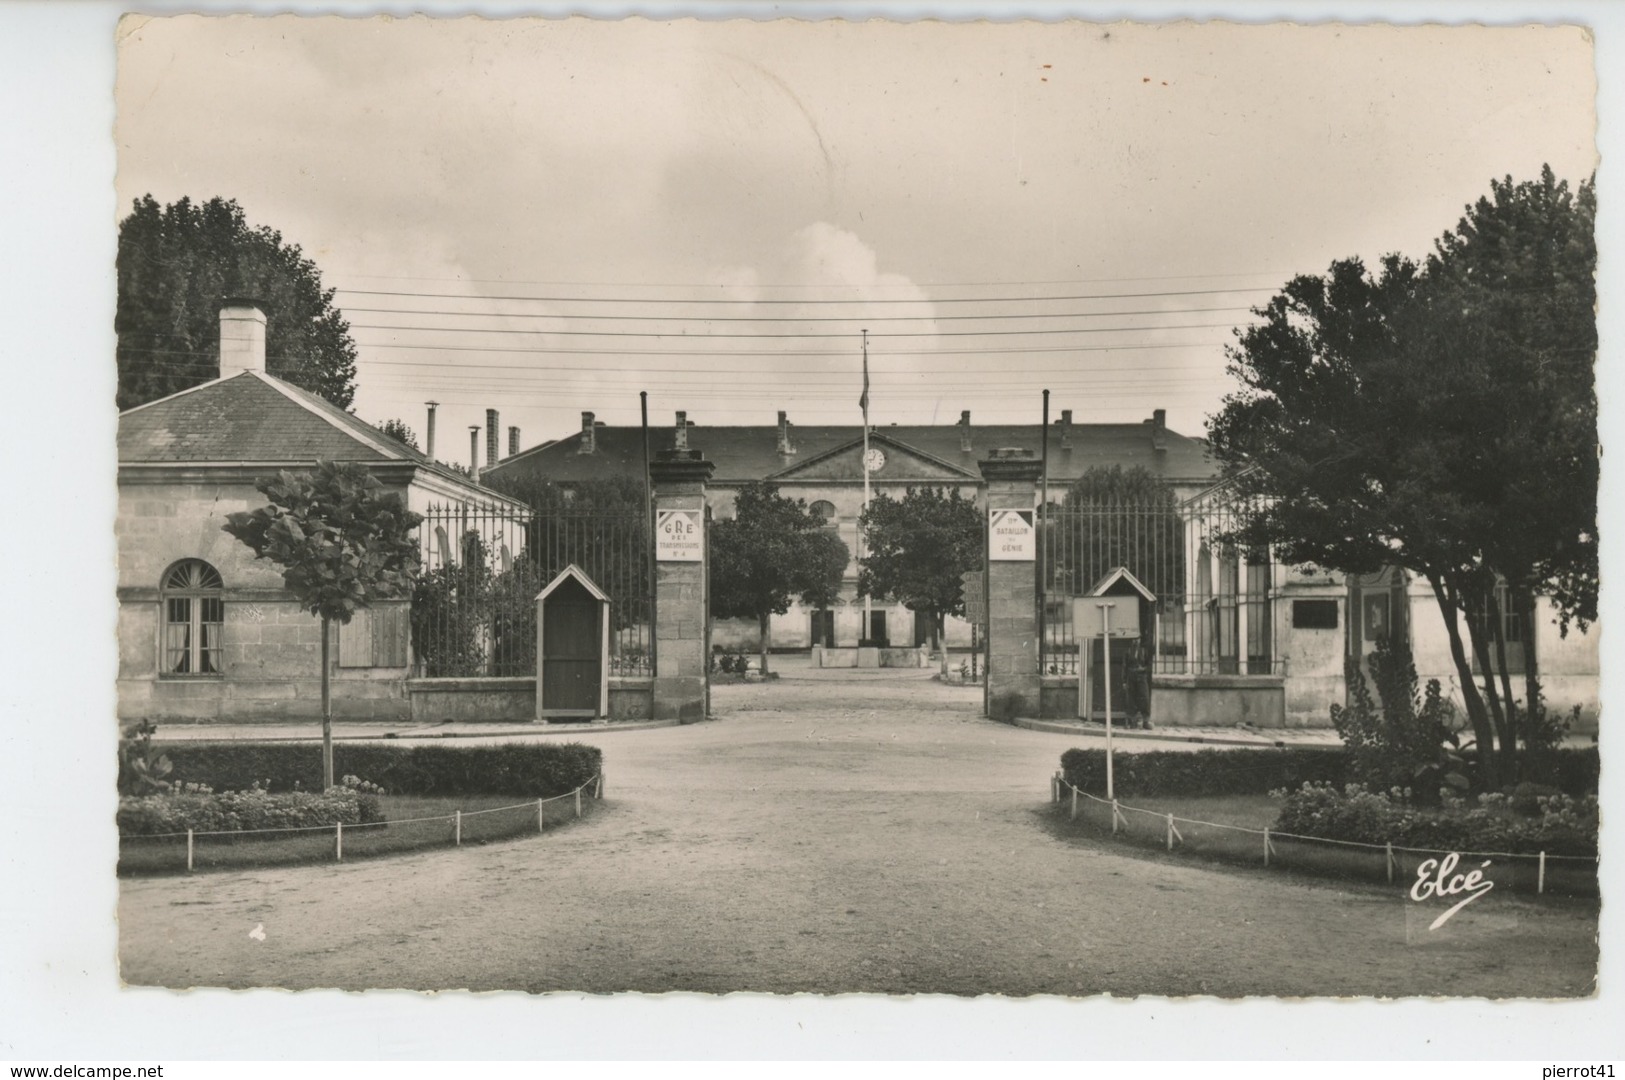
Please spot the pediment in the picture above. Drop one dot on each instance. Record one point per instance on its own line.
(901, 462)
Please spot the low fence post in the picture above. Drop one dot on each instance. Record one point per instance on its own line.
(1170, 832)
(598, 793)
(540, 817)
(1388, 847)
(578, 801)
(1074, 816)
(1540, 875)
(1114, 817)
(1266, 845)
(188, 851)
(457, 828)
(338, 842)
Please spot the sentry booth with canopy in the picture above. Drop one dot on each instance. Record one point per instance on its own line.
(572, 644)
(1110, 611)
(1107, 622)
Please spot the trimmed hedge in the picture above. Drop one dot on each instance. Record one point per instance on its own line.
(1202, 772)
(233, 811)
(1258, 772)
(528, 770)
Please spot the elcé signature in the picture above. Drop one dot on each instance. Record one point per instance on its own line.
(1437, 877)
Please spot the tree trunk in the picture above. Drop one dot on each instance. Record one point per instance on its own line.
(764, 625)
(939, 630)
(1532, 705)
(1509, 743)
(1492, 697)
(327, 711)
(1483, 733)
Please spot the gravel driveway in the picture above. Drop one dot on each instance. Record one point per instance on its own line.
(834, 832)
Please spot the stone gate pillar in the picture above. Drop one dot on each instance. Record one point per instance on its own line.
(679, 478)
(1012, 601)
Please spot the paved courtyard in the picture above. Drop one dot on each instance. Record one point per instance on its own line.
(834, 832)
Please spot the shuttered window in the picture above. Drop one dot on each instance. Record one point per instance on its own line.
(376, 636)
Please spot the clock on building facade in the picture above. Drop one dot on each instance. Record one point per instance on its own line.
(873, 459)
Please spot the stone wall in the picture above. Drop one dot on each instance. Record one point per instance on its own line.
(682, 655)
(1012, 627)
(270, 649)
(485, 700)
(1218, 701)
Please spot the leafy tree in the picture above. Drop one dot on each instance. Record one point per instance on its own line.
(175, 265)
(1111, 517)
(1441, 418)
(342, 541)
(773, 550)
(396, 429)
(916, 549)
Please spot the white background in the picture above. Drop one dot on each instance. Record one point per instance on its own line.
(60, 999)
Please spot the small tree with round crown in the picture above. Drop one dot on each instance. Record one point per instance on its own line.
(342, 541)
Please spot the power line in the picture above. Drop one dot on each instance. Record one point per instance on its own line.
(719, 354)
(785, 318)
(723, 353)
(1274, 274)
(673, 300)
(915, 399)
(750, 337)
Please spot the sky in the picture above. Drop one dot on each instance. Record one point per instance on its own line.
(545, 216)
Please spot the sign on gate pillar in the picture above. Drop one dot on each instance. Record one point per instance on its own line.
(1011, 536)
(679, 477)
(678, 536)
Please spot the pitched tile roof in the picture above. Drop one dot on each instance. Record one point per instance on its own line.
(255, 417)
(751, 453)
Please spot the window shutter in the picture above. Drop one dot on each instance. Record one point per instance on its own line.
(391, 629)
(355, 640)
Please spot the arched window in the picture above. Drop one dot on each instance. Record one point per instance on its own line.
(824, 509)
(194, 612)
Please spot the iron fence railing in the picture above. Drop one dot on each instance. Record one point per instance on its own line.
(1213, 611)
(474, 606)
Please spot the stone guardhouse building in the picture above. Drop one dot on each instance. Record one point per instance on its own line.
(205, 630)
(824, 467)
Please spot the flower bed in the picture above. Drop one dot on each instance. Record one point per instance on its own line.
(239, 811)
(1522, 823)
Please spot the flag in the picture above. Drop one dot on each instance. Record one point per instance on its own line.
(863, 402)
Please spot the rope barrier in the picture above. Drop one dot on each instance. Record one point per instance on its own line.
(1270, 835)
(595, 782)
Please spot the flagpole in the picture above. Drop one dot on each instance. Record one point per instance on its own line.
(864, 402)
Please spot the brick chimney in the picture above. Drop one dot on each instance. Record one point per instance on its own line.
(1159, 430)
(428, 437)
(964, 432)
(513, 440)
(784, 435)
(680, 436)
(1066, 429)
(490, 437)
(242, 337)
(589, 435)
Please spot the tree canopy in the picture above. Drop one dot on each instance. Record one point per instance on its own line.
(1441, 417)
(396, 429)
(916, 548)
(343, 542)
(773, 550)
(1110, 517)
(176, 264)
